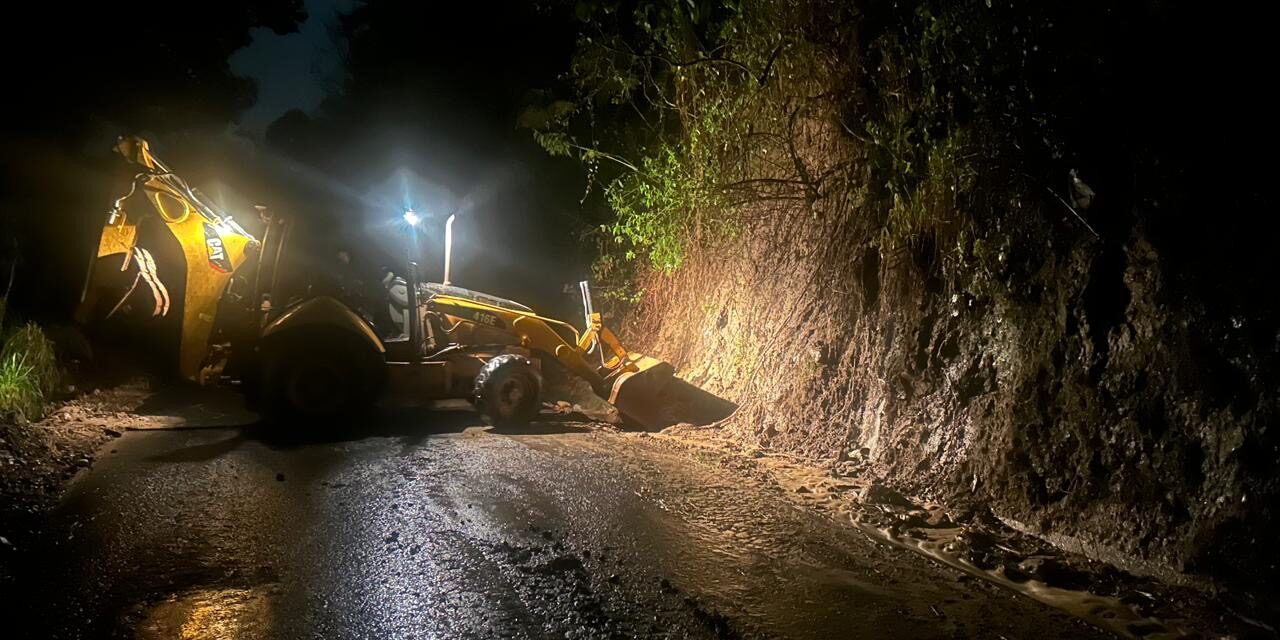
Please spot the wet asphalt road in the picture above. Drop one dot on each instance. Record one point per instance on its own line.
(440, 528)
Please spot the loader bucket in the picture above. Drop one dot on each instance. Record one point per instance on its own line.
(638, 394)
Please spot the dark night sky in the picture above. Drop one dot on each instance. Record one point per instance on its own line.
(426, 118)
(294, 70)
(405, 103)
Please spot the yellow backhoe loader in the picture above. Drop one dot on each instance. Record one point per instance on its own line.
(315, 355)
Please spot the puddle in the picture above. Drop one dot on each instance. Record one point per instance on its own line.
(212, 614)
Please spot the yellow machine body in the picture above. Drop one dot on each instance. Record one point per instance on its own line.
(214, 247)
(629, 381)
(468, 330)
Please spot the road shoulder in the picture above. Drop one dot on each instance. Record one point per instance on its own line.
(971, 540)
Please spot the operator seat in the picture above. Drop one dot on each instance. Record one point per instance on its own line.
(397, 303)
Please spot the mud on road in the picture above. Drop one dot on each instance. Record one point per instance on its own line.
(436, 526)
(37, 460)
(200, 522)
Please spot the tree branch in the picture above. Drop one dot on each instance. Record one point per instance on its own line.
(774, 181)
(607, 156)
(768, 66)
(698, 61)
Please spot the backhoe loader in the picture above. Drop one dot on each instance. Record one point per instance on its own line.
(319, 355)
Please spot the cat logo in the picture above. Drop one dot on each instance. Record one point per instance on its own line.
(218, 259)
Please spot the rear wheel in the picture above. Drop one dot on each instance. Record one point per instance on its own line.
(508, 390)
(318, 379)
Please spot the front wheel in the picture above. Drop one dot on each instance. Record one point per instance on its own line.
(508, 390)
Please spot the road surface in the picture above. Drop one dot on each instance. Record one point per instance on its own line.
(434, 526)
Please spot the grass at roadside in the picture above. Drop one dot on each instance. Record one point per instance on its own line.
(28, 373)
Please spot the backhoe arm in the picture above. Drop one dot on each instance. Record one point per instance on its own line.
(213, 246)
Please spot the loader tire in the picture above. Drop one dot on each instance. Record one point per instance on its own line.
(508, 391)
(322, 380)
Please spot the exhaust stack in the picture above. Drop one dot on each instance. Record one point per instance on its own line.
(448, 246)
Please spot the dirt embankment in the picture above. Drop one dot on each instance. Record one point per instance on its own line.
(1073, 382)
(38, 459)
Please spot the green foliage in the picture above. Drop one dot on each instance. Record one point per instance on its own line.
(28, 372)
(949, 98)
(615, 279)
(687, 114)
(19, 391)
(676, 101)
(661, 208)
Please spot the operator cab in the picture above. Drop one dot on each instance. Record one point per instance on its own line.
(399, 337)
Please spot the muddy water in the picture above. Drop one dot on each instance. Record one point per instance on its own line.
(1106, 612)
(786, 572)
(211, 614)
(1127, 606)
